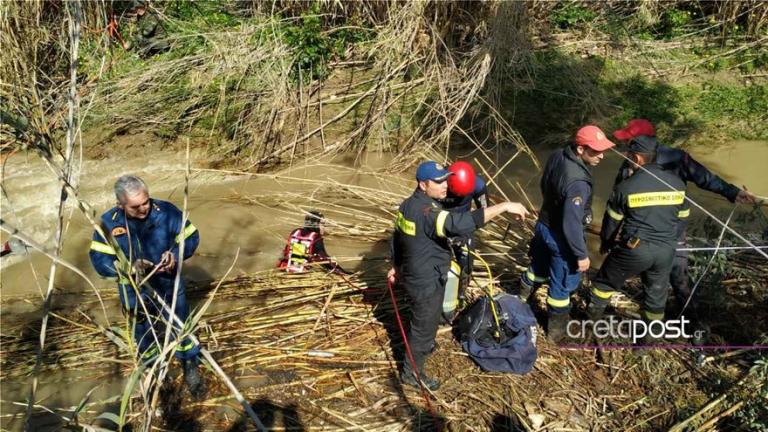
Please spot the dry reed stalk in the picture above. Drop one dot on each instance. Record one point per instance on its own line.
(74, 21)
(407, 41)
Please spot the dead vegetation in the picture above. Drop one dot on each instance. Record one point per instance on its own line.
(315, 351)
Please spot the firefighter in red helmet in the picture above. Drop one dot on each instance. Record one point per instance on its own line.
(464, 188)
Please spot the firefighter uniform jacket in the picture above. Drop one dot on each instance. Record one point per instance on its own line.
(566, 188)
(686, 169)
(420, 249)
(144, 239)
(645, 208)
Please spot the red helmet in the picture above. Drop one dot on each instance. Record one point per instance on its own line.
(462, 182)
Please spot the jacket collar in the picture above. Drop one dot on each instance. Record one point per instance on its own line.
(119, 216)
(570, 154)
(421, 195)
(651, 166)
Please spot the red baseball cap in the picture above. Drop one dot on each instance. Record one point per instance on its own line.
(594, 138)
(636, 127)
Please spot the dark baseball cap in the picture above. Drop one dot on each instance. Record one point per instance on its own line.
(431, 170)
(642, 144)
(313, 219)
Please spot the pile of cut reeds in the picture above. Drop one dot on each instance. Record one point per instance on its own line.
(323, 345)
(318, 351)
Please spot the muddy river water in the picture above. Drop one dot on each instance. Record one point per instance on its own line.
(227, 223)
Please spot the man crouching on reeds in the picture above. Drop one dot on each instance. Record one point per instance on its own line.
(421, 258)
(144, 237)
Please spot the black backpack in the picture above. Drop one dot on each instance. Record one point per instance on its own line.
(515, 349)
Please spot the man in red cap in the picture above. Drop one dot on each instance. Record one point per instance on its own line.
(639, 229)
(687, 169)
(558, 250)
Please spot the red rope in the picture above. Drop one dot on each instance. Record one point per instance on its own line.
(438, 425)
(112, 30)
(430, 408)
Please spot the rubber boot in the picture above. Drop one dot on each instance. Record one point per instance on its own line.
(524, 291)
(699, 329)
(193, 379)
(649, 340)
(556, 327)
(408, 377)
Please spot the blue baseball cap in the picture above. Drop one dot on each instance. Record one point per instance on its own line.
(431, 170)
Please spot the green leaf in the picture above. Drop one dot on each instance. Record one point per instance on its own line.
(127, 392)
(110, 417)
(82, 404)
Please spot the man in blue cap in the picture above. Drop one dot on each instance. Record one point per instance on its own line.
(421, 256)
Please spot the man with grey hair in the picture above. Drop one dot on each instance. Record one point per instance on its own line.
(144, 239)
